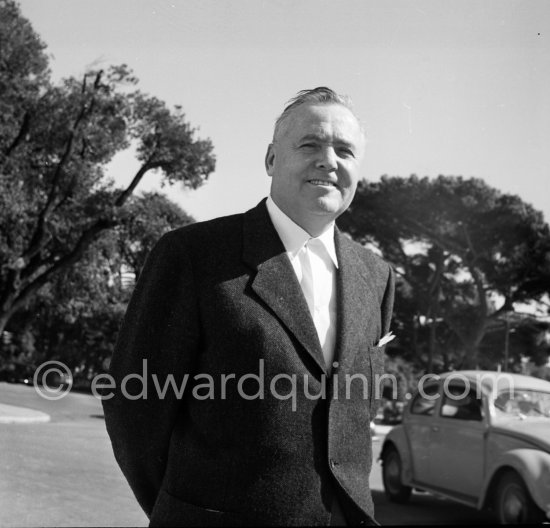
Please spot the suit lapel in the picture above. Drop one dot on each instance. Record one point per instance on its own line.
(275, 281)
(356, 300)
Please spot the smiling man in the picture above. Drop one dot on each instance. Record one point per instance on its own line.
(278, 301)
(314, 162)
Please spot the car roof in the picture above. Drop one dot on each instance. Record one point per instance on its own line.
(488, 378)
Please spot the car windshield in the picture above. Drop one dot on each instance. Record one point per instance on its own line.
(523, 403)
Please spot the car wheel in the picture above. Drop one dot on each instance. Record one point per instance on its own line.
(396, 491)
(514, 505)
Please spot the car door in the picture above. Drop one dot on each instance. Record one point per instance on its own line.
(418, 426)
(457, 441)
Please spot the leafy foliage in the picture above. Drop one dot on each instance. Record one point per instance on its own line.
(55, 142)
(459, 246)
(23, 69)
(75, 317)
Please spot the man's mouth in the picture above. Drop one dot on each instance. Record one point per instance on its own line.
(323, 183)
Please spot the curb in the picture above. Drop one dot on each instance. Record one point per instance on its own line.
(11, 414)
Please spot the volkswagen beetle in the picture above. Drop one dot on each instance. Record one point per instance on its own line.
(477, 437)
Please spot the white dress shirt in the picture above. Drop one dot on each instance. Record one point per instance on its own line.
(315, 264)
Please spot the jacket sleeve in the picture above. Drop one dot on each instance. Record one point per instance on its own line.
(157, 344)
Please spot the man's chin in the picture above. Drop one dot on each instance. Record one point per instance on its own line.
(329, 206)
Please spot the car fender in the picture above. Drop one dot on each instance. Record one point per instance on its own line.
(534, 468)
(398, 439)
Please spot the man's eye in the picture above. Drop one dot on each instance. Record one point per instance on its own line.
(308, 146)
(346, 152)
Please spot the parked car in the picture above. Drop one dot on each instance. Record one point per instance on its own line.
(480, 438)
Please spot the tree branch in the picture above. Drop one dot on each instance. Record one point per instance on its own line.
(478, 280)
(85, 240)
(37, 240)
(436, 279)
(444, 244)
(404, 257)
(124, 195)
(23, 130)
(457, 330)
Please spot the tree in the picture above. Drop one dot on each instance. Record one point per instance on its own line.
(459, 246)
(147, 218)
(55, 142)
(76, 316)
(523, 336)
(23, 73)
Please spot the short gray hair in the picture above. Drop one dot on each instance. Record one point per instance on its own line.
(319, 95)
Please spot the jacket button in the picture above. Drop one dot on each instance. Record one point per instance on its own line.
(333, 463)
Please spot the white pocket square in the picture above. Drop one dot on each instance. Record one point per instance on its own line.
(386, 339)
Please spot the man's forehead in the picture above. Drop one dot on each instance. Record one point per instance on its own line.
(331, 136)
(322, 120)
(322, 111)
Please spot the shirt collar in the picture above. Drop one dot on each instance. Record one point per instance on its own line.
(294, 237)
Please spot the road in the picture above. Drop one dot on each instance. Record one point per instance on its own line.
(423, 509)
(63, 473)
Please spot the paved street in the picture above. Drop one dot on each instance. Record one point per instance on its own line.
(423, 509)
(63, 473)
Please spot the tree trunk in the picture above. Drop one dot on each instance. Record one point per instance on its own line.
(469, 361)
(431, 348)
(3, 322)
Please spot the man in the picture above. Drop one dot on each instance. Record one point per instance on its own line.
(263, 317)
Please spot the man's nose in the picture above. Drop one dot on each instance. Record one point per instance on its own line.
(327, 159)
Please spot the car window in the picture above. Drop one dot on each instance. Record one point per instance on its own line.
(523, 403)
(461, 404)
(425, 401)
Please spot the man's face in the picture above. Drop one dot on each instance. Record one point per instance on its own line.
(314, 162)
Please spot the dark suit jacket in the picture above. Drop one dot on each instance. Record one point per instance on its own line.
(221, 298)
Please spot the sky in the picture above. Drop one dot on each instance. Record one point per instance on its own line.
(453, 87)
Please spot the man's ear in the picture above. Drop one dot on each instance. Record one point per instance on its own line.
(269, 159)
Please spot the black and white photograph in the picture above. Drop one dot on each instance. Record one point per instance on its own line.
(274, 262)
